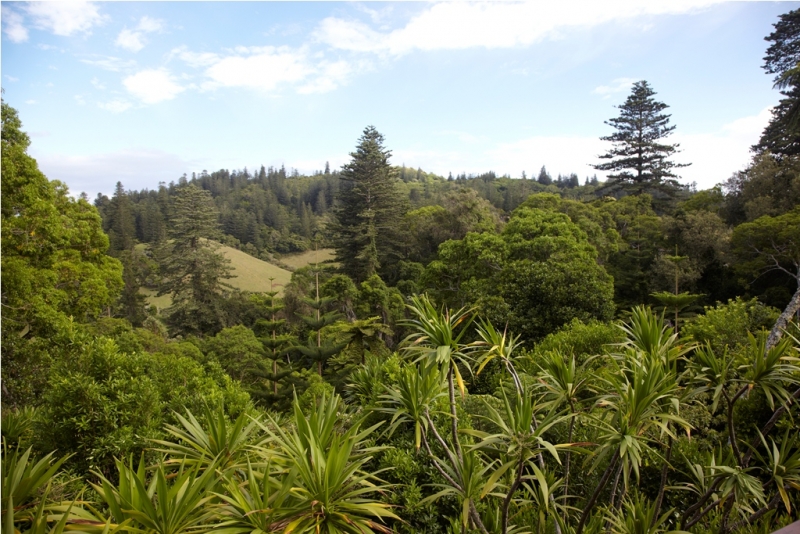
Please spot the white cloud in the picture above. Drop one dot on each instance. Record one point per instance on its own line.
(13, 26)
(11, 78)
(80, 100)
(30, 102)
(263, 70)
(715, 156)
(267, 68)
(149, 24)
(617, 86)
(460, 25)
(194, 59)
(97, 84)
(115, 106)
(134, 40)
(328, 77)
(65, 18)
(152, 86)
(111, 63)
(129, 40)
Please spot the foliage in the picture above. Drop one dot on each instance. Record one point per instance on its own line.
(638, 160)
(192, 271)
(54, 265)
(369, 207)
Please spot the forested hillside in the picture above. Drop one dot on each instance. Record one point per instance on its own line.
(482, 354)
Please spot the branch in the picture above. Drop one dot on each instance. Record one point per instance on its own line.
(791, 308)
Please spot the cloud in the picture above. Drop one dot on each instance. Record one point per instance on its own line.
(114, 64)
(152, 86)
(134, 40)
(80, 100)
(715, 156)
(129, 40)
(268, 68)
(97, 84)
(65, 18)
(149, 24)
(461, 25)
(30, 101)
(194, 59)
(13, 26)
(617, 86)
(11, 78)
(115, 106)
(136, 168)
(265, 69)
(327, 77)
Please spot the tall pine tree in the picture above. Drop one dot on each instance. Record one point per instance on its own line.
(192, 269)
(638, 161)
(276, 370)
(370, 209)
(319, 348)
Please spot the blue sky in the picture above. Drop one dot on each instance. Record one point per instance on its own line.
(142, 92)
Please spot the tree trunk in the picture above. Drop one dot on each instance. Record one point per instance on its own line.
(597, 490)
(452, 391)
(791, 308)
(663, 484)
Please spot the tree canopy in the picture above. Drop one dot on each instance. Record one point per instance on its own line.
(638, 160)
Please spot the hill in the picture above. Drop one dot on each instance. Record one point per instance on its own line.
(250, 274)
(300, 260)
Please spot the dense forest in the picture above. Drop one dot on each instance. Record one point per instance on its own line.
(485, 353)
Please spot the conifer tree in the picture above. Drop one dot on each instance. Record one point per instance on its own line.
(370, 207)
(638, 161)
(544, 178)
(277, 346)
(192, 269)
(119, 222)
(319, 349)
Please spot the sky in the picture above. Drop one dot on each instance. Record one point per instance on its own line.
(143, 92)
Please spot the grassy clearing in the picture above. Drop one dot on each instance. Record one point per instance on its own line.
(250, 274)
(296, 261)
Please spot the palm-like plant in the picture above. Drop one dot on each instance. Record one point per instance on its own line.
(469, 481)
(541, 486)
(643, 402)
(331, 485)
(217, 442)
(563, 384)
(255, 505)
(436, 338)
(23, 478)
(411, 401)
(157, 506)
(638, 515)
(517, 441)
(783, 462)
(496, 345)
(648, 333)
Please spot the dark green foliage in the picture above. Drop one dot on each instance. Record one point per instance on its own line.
(726, 325)
(192, 270)
(638, 160)
(102, 403)
(274, 370)
(367, 230)
(781, 137)
(55, 270)
(540, 273)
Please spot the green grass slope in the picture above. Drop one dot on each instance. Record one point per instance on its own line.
(300, 260)
(250, 274)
